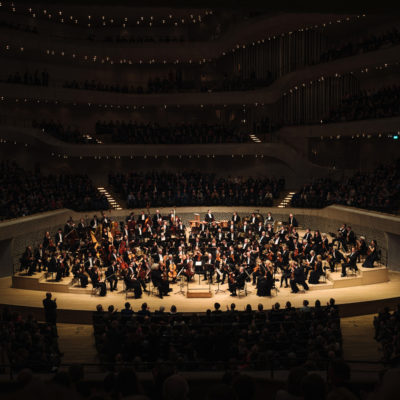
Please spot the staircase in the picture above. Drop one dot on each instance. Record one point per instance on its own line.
(284, 201)
(111, 198)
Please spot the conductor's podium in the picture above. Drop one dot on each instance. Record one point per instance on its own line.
(198, 289)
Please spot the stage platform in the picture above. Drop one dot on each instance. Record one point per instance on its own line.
(365, 293)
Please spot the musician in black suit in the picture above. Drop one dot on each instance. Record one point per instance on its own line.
(209, 217)
(94, 223)
(236, 282)
(350, 237)
(337, 258)
(39, 258)
(351, 261)
(156, 217)
(297, 278)
(111, 276)
(106, 222)
(59, 238)
(131, 282)
(159, 282)
(141, 218)
(292, 221)
(235, 218)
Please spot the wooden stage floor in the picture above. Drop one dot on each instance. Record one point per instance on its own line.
(355, 300)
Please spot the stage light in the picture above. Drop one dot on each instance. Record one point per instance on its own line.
(395, 137)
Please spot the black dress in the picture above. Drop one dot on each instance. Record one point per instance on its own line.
(316, 273)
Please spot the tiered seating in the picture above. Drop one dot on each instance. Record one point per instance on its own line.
(24, 192)
(194, 188)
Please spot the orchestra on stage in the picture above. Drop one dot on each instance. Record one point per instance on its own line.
(156, 251)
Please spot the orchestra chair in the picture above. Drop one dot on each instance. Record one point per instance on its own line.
(126, 290)
(242, 290)
(152, 290)
(95, 290)
(74, 280)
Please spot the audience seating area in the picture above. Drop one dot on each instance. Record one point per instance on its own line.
(65, 133)
(249, 339)
(194, 189)
(153, 133)
(383, 103)
(26, 343)
(377, 190)
(25, 192)
(387, 333)
(364, 45)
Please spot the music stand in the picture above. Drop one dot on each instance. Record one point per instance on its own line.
(219, 290)
(181, 283)
(198, 265)
(249, 276)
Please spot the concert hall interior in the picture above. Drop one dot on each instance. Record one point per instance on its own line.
(199, 200)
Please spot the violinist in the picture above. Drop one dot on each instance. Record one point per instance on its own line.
(265, 281)
(111, 275)
(351, 262)
(297, 277)
(232, 284)
(59, 239)
(236, 281)
(310, 262)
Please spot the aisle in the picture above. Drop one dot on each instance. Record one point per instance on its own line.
(77, 343)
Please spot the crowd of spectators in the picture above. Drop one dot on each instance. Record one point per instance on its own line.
(370, 43)
(65, 133)
(25, 192)
(377, 190)
(18, 27)
(249, 339)
(153, 133)
(26, 343)
(144, 38)
(237, 83)
(383, 103)
(28, 78)
(170, 84)
(194, 189)
(387, 333)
